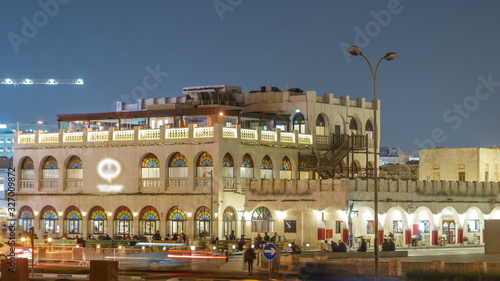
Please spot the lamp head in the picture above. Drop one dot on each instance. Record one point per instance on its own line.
(391, 56)
(354, 50)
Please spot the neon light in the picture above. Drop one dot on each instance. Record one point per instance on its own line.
(195, 257)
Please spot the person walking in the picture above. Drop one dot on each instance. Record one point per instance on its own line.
(249, 257)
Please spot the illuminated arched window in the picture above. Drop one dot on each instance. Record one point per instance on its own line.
(266, 168)
(262, 220)
(149, 221)
(354, 169)
(150, 166)
(72, 222)
(227, 166)
(246, 168)
(48, 220)
(320, 126)
(74, 173)
(202, 221)
(26, 218)
(286, 169)
(50, 169)
(176, 220)
(204, 165)
(98, 220)
(299, 123)
(123, 222)
(177, 166)
(369, 169)
(27, 169)
(228, 221)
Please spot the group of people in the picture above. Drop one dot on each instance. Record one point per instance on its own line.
(333, 246)
(259, 241)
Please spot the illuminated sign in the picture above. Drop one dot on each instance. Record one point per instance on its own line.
(109, 169)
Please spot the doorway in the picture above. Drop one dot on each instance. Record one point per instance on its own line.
(449, 231)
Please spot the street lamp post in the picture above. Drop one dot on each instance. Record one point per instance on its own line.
(356, 51)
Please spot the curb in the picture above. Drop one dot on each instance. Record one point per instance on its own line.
(81, 276)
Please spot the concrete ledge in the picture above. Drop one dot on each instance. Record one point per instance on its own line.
(348, 255)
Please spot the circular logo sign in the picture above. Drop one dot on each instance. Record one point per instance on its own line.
(108, 169)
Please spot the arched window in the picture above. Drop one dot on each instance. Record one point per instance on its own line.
(286, 169)
(228, 166)
(50, 168)
(353, 126)
(204, 166)
(176, 220)
(149, 221)
(177, 171)
(123, 221)
(354, 169)
(262, 220)
(228, 221)
(48, 220)
(369, 128)
(27, 169)
(98, 220)
(74, 172)
(246, 169)
(72, 222)
(299, 123)
(150, 171)
(369, 170)
(26, 218)
(320, 126)
(266, 168)
(202, 221)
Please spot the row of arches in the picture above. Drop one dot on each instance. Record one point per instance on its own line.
(150, 219)
(299, 124)
(150, 166)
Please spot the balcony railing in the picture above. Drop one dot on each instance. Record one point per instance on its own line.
(170, 134)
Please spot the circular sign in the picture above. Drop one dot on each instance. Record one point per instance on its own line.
(108, 169)
(270, 251)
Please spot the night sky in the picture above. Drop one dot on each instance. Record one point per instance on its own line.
(443, 89)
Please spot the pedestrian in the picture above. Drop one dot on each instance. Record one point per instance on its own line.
(325, 247)
(334, 246)
(241, 243)
(232, 236)
(157, 236)
(362, 247)
(266, 238)
(385, 245)
(257, 241)
(392, 246)
(342, 246)
(296, 249)
(274, 238)
(249, 257)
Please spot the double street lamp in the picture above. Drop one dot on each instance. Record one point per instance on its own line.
(356, 51)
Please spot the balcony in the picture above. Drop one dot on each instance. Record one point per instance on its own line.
(139, 135)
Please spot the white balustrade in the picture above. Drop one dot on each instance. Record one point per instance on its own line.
(229, 132)
(98, 136)
(287, 137)
(268, 136)
(73, 137)
(177, 133)
(204, 132)
(123, 135)
(305, 139)
(26, 139)
(247, 134)
(48, 138)
(150, 134)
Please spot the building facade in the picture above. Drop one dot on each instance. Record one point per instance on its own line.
(460, 164)
(184, 164)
